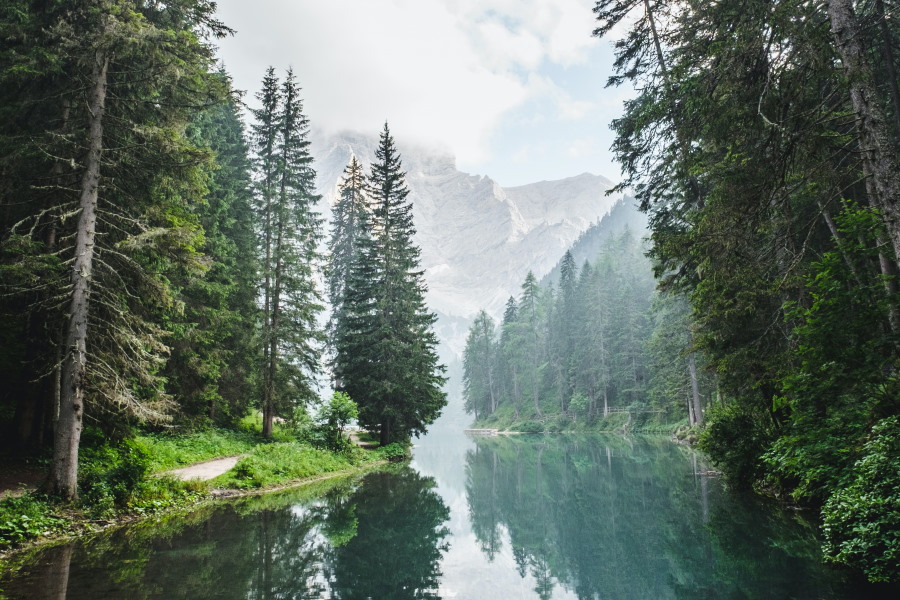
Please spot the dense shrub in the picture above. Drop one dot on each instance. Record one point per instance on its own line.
(530, 427)
(26, 518)
(862, 521)
(108, 474)
(736, 440)
(394, 452)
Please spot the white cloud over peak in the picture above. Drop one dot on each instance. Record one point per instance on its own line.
(440, 71)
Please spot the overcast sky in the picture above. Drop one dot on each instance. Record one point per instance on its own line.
(514, 88)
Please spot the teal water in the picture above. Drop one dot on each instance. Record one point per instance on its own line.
(530, 517)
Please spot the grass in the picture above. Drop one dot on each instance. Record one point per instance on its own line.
(171, 450)
(168, 451)
(279, 462)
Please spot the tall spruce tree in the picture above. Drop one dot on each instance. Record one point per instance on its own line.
(348, 224)
(386, 355)
(215, 343)
(480, 366)
(289, 248)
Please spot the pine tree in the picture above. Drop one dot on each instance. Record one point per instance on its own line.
(386, 355)
(290, 235)
(562, 332)
(349, 218)
(480, 367)
(213, 362)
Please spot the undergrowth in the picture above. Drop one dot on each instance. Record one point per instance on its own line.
(271, 464)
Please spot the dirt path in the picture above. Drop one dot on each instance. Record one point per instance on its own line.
(18, 477)
(205, 470)
(354, 437)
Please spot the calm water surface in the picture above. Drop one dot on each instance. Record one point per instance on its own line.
(530, 517)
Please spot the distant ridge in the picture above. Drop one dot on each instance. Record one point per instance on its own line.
(589, 245)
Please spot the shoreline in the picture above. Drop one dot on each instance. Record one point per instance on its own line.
(83, 527)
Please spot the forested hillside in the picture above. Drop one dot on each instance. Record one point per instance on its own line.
(763, 147)
(592, 341)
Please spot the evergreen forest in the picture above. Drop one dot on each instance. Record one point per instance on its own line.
(162, 265)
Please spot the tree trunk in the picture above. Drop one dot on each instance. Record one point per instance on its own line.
(889, 63)
(695, 391)
(385, 437)
(879, 159)
(64, 470)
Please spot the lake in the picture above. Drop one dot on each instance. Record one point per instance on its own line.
(530, 517)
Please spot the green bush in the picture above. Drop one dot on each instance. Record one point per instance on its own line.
(736, 441)
(530, 427)
(394, 452)
(108, 474)
(862, 521)
(333, 416)
(26, 518)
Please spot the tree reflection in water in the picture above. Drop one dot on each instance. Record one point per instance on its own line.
(607, 517)
(380, 537)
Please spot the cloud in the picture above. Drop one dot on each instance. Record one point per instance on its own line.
(445, 71)
(581, 147)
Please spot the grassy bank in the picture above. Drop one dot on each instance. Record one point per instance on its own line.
(126, 482)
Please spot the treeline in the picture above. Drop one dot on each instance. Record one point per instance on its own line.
(159, 265)
(763, 145)
(567, 355)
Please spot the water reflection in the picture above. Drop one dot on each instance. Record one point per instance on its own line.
(527, 517)
(380, 537)
(608, 518)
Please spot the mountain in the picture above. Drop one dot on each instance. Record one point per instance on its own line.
(478, 239)
(589, 246)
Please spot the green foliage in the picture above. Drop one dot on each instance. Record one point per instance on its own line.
(156, 494)
(735, 438)
(579, 405)
(280, 462)
(394, 452)
(742, 164)
(530, 427)
(862, 520)
(27, 517)
(334, 415)
(108, 473)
